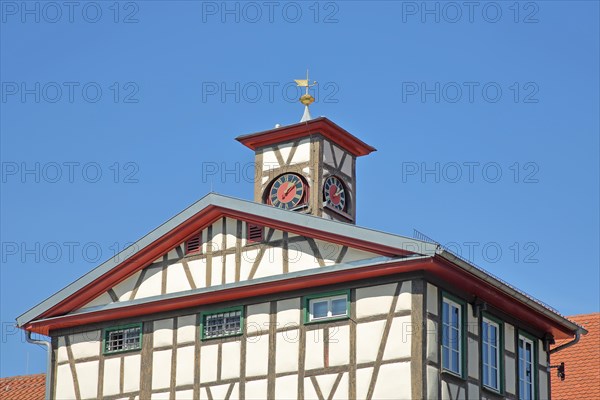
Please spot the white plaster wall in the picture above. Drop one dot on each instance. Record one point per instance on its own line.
(230, 367)
(288, 312)
(286, 385)
(432, 342)
(62, 354)
(256, 362)
(405, 297)
(131, 373)
(85, 344)
(368, 338)
(257, 317)
(177, 280)
(163, 333)
(355, 255)
(433, 382)
(473, 391)
(543, 382)
(256, 390)
(186, 329)
(231, 231)
(510, 378)
(161, 369)
(198, 271)
(208, 362)
(65, 388)
(432, 299)
(393, 382)
(151, 286)
(509, 337)
(542, 356)
(339, 346)
(400, 338)
(450, 391)
(374, 300)
(87, 377)
(287, 347)
(315, 356)
(186, 395)
(112, 376)
(363, 380)
(473, 358)
(123, 289)
(184, 374)
(101, 300)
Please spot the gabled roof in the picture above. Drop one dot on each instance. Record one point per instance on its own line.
(582, 363)
(200, 214)
(24, 387)
(321, 125)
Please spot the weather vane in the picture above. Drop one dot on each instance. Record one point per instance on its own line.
(306, 98)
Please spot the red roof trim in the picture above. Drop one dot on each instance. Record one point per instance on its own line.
(315, 126)
(438, 267)
(179, 234)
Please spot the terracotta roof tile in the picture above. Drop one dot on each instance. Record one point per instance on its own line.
(25, 387)
(582, 363)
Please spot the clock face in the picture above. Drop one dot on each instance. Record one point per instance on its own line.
(335, 193)
(287, 191)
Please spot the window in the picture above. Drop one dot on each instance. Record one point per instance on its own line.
(124, 338)
(222, 323)
(490, 353)
(194, 244)
(452, 336)
(526, 368)
(326, 307)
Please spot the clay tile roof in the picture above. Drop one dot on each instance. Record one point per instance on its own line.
(25, 387)
(582, 363)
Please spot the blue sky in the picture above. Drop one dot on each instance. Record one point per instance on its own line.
(485, 120)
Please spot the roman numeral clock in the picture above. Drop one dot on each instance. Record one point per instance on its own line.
(308, 167)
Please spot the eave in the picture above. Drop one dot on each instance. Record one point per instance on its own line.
(322, 126)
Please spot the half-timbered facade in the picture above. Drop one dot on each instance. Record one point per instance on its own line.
(285, 297)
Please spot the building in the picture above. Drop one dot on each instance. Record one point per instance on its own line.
(285, 297)
(581, 363)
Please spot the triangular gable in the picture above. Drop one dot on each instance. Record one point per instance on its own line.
(227, 255)
(95, 287)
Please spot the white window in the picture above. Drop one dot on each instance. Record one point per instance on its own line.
(219, 324)
(452, 336)
(123, 338)
(526, 371)
(490, 354)
(328, 307)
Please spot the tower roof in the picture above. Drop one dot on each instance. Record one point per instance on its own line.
(316, 126)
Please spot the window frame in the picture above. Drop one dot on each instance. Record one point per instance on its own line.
(107, 331)
(205, 314)
(534, 361)
(499, 324)
(306, 306)
(462, 344)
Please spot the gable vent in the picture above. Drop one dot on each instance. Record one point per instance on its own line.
(255, 233)
(194, 244)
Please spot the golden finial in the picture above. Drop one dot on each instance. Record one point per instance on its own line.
(306, 98)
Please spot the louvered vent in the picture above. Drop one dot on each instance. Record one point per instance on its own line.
(193, 245)
(255, 233)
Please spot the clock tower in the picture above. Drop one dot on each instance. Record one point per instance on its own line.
(309, 167)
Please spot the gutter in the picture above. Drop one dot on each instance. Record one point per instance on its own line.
(48, 361)
(568, 344)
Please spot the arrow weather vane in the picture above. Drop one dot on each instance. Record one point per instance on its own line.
(306, 98)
